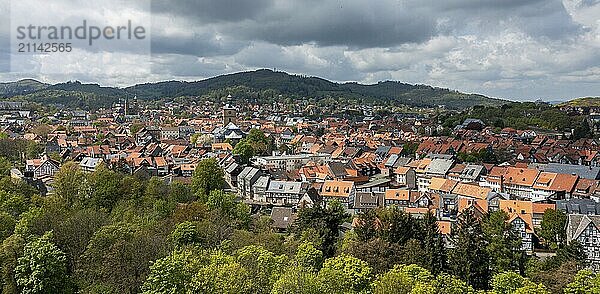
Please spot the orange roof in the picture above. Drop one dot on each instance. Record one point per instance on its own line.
(448, 186)
(160, 161)
(423, 163)
(564, 182)
(527, 218)
(464, 203)
(397, 194)
(188, 167)
(332, 188)
(222, 146)
(495, 173)
(470, 190)
(516, 206)
(436, 183)
(544, 179)
(401, 170)
(445, 227)
(541, 207)
(520, 176)
(419, 210)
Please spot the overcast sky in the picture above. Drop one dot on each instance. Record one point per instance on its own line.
(513, 49)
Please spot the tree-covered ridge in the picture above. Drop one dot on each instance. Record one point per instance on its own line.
(20, 87)
(582, 102)
(260, 85)
(517, 115)
(391, 93)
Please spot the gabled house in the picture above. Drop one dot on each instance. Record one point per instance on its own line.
(585, 230)
(285, 193)
(522, 225)
(344, 191)
(42, 167)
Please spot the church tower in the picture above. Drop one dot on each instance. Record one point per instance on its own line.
(229, 112)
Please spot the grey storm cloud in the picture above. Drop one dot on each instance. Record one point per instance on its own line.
(360, 24)
(212, 11)
(516, 49)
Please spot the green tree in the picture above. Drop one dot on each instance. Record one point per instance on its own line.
(259, 142)
(156, 189)
(433, 245)
(42, 268)
(68, 183)
(180, 192)
(553, 228)
(5, 167)
(172, 274)
(118, 256)
(245, 151)
(222, 275)
(297, 280)
(585, 282)
(10, 251)
(447, 284)
(105, 187)
(207, 177)
(404, 279)
(344, 274)
(381, 255)
(469, 259)
(511, 282)
(263, 266)
(7, 225)
(13, 203)
(309, 257)
(325, 222)
(503, 243)
(184, 234)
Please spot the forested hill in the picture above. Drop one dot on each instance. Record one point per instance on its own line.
(75, 94)
(582, 102)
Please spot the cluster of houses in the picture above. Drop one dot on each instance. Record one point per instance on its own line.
(376, 162)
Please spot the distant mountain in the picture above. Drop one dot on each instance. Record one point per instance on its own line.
(304, 86)
(21, 87)
(75, 94)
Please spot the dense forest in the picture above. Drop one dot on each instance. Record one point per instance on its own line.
(520, 116)
(263, 84)
(107, 232)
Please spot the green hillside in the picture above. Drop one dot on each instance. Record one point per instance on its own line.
(583, 102)
(20, 87)
(259, 85)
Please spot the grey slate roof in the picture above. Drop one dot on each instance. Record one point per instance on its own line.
(364, 200)
(439, 166)
(284, 187)
(338, 169)
(244, 173)
(382, 151)
(262, 182)
(586, 172)
(253, 171)
(579, 206)
(402, 161)
(90, 162)
(231, 168)
(391, 160)
(282, 217)
(471, 172)
(577, 223)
